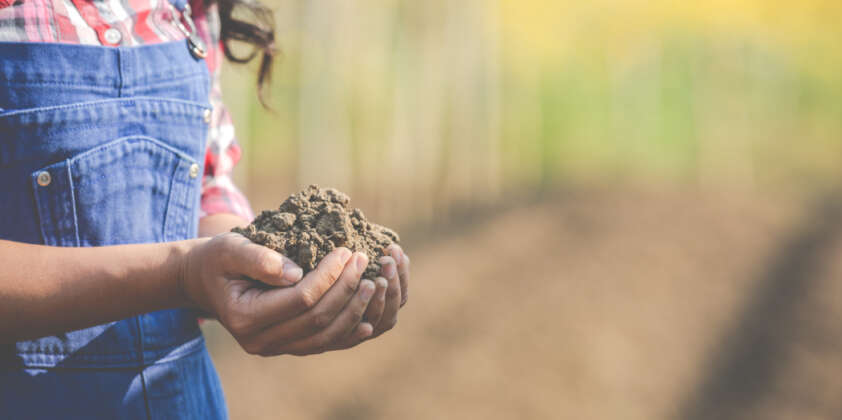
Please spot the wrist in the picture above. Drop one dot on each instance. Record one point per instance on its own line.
(181, 266)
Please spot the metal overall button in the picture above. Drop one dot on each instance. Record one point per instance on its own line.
(207, 116)
(44, 178)
(194, 170)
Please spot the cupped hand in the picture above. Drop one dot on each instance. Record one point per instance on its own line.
(260, 297)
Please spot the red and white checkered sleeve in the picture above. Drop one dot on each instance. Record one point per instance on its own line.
(219, 194)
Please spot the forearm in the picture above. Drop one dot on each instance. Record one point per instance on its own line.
(219, 223)
(46, 290)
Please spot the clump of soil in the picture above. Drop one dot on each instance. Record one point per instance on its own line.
(311, 223)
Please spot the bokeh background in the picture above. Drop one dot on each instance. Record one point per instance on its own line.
(616, 209)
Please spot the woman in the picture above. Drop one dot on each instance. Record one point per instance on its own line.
(109, 113)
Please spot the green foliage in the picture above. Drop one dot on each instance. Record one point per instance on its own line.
(546, 94)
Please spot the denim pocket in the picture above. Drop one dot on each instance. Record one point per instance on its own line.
(134, 189)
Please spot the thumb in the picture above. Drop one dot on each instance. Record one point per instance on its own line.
(268, 266)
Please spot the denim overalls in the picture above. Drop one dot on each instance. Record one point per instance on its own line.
(103, 146)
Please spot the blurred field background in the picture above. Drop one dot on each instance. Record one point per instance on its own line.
(616, 209)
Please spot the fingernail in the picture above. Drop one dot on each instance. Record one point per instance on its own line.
(382, 285)
(362, 261)
(396, 254)
(345, 253)
(294, 274)
(366, 290)
(390, 271)
(292, 271)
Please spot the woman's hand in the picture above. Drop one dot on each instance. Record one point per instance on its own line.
(321, 311)
(391, 292)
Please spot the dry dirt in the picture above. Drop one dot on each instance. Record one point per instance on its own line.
(598, 305)
(311, 223)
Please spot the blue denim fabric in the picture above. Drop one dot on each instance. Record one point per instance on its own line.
(117, 130)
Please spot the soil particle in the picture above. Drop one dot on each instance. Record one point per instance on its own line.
(311, 223)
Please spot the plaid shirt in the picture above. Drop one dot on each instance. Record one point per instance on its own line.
(136, 22)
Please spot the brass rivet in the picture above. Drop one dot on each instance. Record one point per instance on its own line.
(194, 170)
(44, 178)
(207, 116)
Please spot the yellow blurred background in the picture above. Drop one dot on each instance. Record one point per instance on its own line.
(616, 209)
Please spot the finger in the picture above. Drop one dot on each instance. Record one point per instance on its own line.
(360, 334)
(378, 302)
(261, 263)
(393, 297)
(403, 270)
(403, 273)
(395, 251)
(339, 329)
(388, 267)
(323, 314)
(275, 305)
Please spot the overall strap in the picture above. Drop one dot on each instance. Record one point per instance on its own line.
(197, 47)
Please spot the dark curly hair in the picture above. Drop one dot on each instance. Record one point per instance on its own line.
(254, 24)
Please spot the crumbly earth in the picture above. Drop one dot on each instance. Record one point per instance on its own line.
(311, 223)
